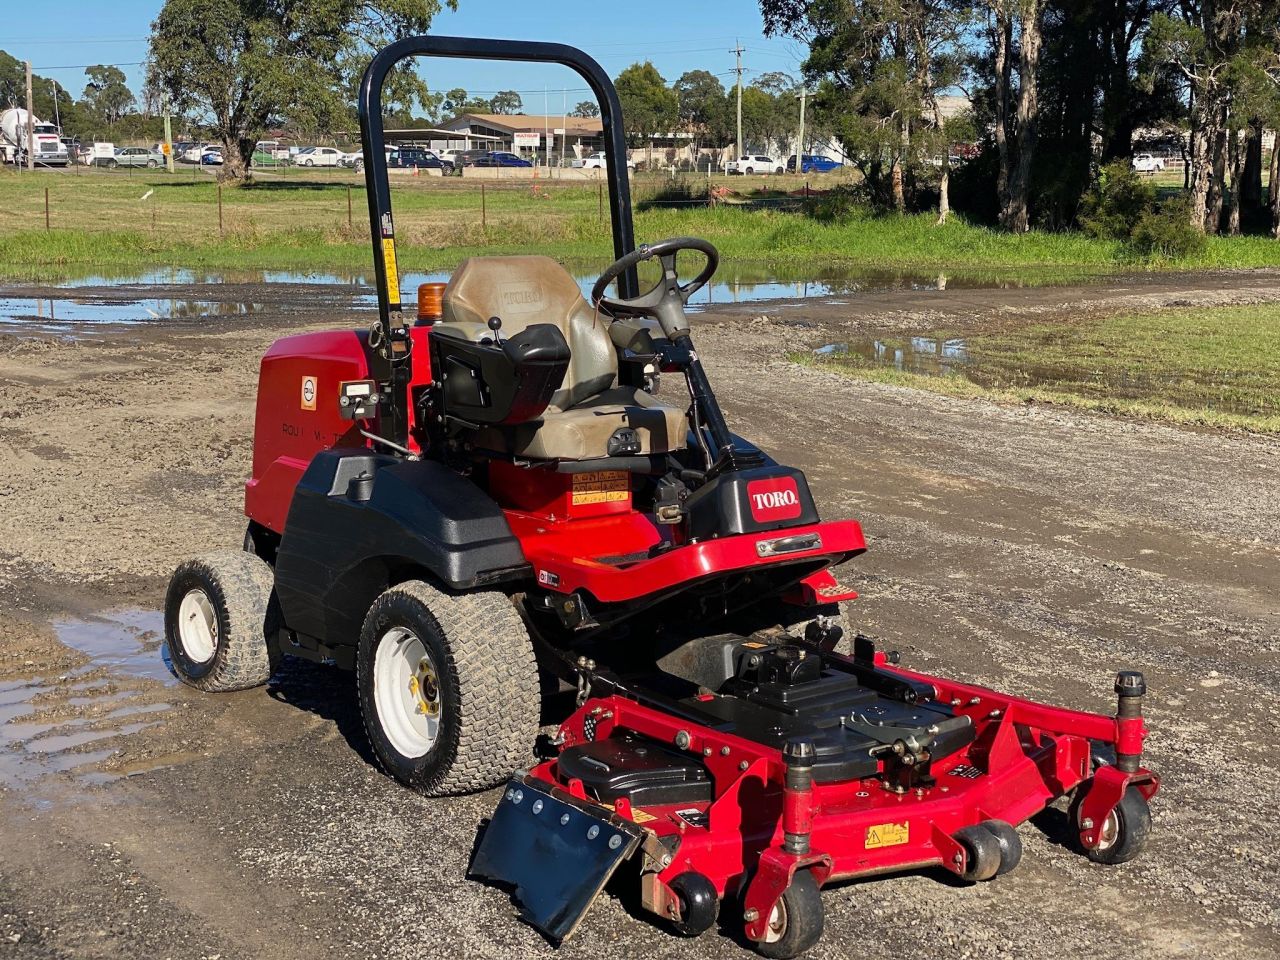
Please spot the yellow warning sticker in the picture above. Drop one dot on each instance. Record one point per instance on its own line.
(888, 835)
(393, 273)
(637, 815)
(602, 486)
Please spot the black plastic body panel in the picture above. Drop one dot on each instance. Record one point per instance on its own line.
(642, 770)
(348, 535)
(721, 506)
(507, 383)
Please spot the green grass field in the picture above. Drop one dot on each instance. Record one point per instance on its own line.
(1216, 367)
(139, 220)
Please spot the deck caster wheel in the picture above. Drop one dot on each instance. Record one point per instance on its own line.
(219, 621)
(698, 903)
(1010, 845)
(983, 853)
(448, 688)
(1125, 831)
(796, 922)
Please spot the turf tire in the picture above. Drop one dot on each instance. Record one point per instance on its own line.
(982, 853)
(239, 588)
(488, 680)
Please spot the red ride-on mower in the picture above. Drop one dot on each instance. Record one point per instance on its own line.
(464, 508)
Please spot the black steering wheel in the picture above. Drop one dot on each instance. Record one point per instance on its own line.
(665, 301)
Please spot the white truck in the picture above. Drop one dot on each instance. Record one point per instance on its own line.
(49, 150)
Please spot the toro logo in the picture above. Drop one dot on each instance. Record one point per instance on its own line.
(775, 499)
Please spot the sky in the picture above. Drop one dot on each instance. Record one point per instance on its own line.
(677, 35)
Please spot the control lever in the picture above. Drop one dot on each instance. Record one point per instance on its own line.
(495, 324)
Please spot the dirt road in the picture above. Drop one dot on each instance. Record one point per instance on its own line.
(1025, 548)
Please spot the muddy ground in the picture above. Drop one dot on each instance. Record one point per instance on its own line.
(1027, 548)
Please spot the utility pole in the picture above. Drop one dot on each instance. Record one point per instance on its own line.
(168, 134)
(57, 116)
(31, 129)
(738, 51)
(804, 93)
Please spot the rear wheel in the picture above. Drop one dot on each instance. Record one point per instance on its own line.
(112, 164)
(151, 164)
(796, 922)
(448, 687)
(219, 620)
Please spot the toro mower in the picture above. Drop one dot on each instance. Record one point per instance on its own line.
(515, 492)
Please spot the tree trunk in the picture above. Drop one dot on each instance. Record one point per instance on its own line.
(1273, 191)
(1235, 157)
(1014, 216)
(1003, 44)
(1201, 164)
(1218, 180)
(904, 151)
(944, 182)
(1251, 178)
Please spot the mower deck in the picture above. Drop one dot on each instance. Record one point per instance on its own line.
(857, 769)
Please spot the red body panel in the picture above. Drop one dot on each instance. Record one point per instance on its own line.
(289, 430)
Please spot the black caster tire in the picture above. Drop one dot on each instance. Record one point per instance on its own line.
(983, 855)
(698, 903)
(797, 921)
(1125, 832)
(1010, 845)
(220, 621)
(448, 688)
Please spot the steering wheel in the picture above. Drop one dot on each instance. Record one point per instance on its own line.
(665, 301)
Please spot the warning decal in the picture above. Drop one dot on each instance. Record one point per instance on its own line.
(602, 486)
(309, 391)
(393, 272)
(888, 835)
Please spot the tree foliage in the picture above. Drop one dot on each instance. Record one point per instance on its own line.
(242, 62)
(106, 94)
(649, 106)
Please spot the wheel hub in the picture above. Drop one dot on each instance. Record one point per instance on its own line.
(424, 687)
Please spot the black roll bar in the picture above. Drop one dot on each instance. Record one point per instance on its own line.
(378, 189)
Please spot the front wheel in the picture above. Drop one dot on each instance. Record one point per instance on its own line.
(448, 687)
(219, 620)
(796, 922)
(1124, 832)
(112, 164)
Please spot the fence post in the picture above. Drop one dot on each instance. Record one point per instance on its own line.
(220, 232)
(350, 224)
(600, 200)
(46, 208)
(484, 216)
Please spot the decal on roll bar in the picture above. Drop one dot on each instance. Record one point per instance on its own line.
(393, 274)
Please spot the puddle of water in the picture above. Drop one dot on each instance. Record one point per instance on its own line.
(129, 643)
(129, 646)
(943, 357)
(59, 314)
(736, 283)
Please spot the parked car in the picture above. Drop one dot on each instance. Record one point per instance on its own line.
(319, 157)
(500, 158)
(813, 163)
(195, 153)
(1146, 163)
(598, 161)
(418, 158)
(468, 158)
(132, 157)
(211, 157)
(755, 163)
(269, 153)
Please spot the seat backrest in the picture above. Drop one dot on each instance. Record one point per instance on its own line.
(527, 290)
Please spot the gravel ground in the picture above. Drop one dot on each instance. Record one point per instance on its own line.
(1028, 548)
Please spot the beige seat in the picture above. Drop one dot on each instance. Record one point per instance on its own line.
(590, 405)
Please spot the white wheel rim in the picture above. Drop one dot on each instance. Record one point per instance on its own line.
(776, 928)
(1110, 831)
(406, 693)
(198, 626)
